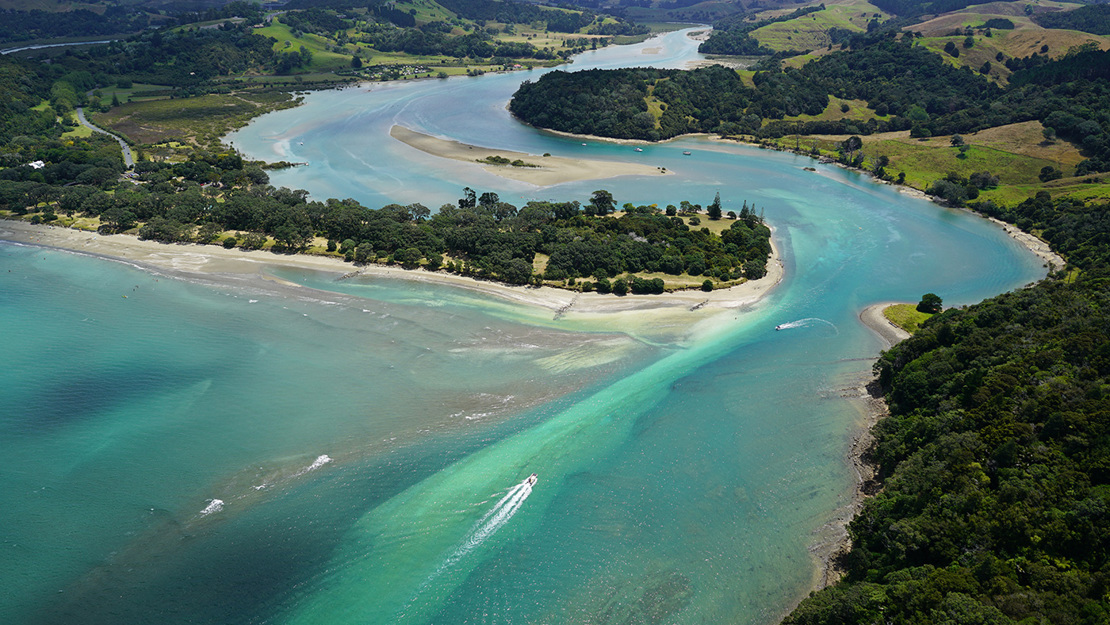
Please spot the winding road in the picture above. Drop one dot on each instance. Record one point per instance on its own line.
(128, 161)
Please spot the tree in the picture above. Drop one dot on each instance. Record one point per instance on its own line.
(356, 62)
(488, 199)
(601, 202)
(714, 209)
(707, 286)
(1049, 173)
(469, 199)
(930, 303)
(620, 287)
(1049, 134)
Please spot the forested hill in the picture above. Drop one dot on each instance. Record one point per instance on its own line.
(615, 103)
(995, 460)
(906, 85)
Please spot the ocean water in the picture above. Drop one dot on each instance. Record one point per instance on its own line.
(184, 450)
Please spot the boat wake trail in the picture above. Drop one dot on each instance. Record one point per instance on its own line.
(492, 521)
(808, 321)
(483, 529)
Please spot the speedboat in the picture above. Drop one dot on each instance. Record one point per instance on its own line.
(532, 479)
(780, 326)
(639, 149)
(687, 153)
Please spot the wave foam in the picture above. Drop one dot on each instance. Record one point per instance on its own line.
(215, 505)
(316, 464)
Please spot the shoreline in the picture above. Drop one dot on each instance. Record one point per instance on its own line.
(1035, 245)
(873, 317)
(677, 313)
(832, 539)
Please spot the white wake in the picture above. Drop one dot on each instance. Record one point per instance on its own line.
(808, 321)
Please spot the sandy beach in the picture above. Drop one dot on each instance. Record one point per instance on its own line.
(873, 318)
(668, 317)
(548, 170)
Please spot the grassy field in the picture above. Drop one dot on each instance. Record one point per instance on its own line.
(136, 93)
(198, 121)
(857, 111)
(1024, 40)
(906, 316)
(810, 32)
(426, 11)
(323, 59)
(79, 132)
(1015, 153)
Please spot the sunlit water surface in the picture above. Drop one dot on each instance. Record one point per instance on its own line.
(354, 451)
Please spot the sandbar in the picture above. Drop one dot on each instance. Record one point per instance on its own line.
(671, 317)
(548, 170)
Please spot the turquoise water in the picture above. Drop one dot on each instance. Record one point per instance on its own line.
(368, 440)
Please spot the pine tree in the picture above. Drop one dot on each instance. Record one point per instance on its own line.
(714, 209)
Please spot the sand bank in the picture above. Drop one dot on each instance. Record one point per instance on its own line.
(668, 317)
(873, 318)
(1033, 244)
(549, 170)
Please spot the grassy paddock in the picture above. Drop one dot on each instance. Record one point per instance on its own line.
(811, 31)
(905, 316)
(201, 120)
(137, 92)
(857, 111)
(322, 58)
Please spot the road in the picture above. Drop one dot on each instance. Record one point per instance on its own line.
(127, 159)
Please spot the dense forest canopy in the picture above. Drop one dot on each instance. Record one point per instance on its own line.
(995, 461)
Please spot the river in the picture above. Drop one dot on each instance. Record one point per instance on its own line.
(219, 451)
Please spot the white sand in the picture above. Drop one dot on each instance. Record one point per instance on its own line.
(549, 170)
(873, 318)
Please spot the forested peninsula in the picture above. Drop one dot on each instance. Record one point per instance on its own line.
(993, 468)
(1070, 95)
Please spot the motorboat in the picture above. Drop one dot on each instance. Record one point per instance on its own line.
(687, 153)
(532, 479)
(639, 149)
(781, 326)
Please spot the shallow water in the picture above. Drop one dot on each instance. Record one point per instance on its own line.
(367, 440)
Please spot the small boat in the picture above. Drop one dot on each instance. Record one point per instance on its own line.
(780, 326)
(687, 153)
(639, 149)
(532, 479)
(583, 144)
